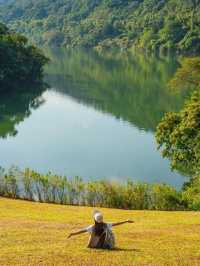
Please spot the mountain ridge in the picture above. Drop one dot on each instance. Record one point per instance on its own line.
(149, 24)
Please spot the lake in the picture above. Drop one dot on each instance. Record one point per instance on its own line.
(95, 118)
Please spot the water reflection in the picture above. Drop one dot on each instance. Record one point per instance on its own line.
(132, 88)
(96, 119)
(15, 107)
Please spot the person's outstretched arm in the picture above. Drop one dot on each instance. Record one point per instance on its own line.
(124, 222)
(77, 233)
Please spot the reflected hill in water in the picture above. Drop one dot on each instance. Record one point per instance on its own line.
(16, 106)
(130, 87)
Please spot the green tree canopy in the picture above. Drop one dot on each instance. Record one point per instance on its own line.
(151, 24)
(178, 134)
(20, 62)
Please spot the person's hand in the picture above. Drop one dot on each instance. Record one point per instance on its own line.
(130, 221)
(69, 236)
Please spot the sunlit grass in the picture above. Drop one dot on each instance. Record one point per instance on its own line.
(36, 234)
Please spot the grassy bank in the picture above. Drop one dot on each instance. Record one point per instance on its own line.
(35, 234)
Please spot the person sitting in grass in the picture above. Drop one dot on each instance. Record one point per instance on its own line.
(101, 235)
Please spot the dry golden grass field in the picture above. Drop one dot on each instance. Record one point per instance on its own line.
(36, 234)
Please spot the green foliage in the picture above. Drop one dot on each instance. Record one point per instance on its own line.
(188, 74)
(191, 193)
(52, 188)
(150, 24)
(20, 62)
(178, 134)
(164, 195)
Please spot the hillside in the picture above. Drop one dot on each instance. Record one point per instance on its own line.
(151, 24)
(36, 234)
(15, 51)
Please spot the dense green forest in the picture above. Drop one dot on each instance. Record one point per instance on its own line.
(151, 24)
(20, 62)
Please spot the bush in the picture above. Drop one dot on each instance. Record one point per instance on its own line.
(191, 193)
(51, 188)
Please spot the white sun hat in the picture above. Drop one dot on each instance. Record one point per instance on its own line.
(98, 217)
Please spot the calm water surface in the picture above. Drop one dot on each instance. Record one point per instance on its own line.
(96, 118)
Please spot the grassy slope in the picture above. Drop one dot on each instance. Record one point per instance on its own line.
(35, 234)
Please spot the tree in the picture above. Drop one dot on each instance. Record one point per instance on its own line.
(20, 62)
(178, 134)
(188, 74)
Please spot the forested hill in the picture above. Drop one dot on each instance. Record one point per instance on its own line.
(15, 51)
(151, 24)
